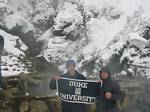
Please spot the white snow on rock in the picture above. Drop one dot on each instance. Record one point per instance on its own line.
(138, 41)
(11, 65)
(16, 21)
(10, 43)
(113, 17)
(68, 14)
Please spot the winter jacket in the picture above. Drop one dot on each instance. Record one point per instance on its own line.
(67, 106)
(1, 49)
(109, 85)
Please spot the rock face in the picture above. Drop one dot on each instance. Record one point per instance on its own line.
(137, 95)
(136, 99)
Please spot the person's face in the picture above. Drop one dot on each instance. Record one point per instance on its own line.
(104, 75)
(71, 68)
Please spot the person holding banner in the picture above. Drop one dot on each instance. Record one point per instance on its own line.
(72, 74)
(109, 94)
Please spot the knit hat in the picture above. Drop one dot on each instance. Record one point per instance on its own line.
(70, 62)
(105, 69)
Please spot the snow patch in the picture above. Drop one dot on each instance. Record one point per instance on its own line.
(138, 41)
(10, 43)
(16, 20)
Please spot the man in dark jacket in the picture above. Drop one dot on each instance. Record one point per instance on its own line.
(1, 49)
(110, 92)
(73, 74)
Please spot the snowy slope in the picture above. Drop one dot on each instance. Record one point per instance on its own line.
(103, 29)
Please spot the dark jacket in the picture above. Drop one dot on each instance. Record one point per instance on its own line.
(67, 106)
(109, 85)
(1, 49)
